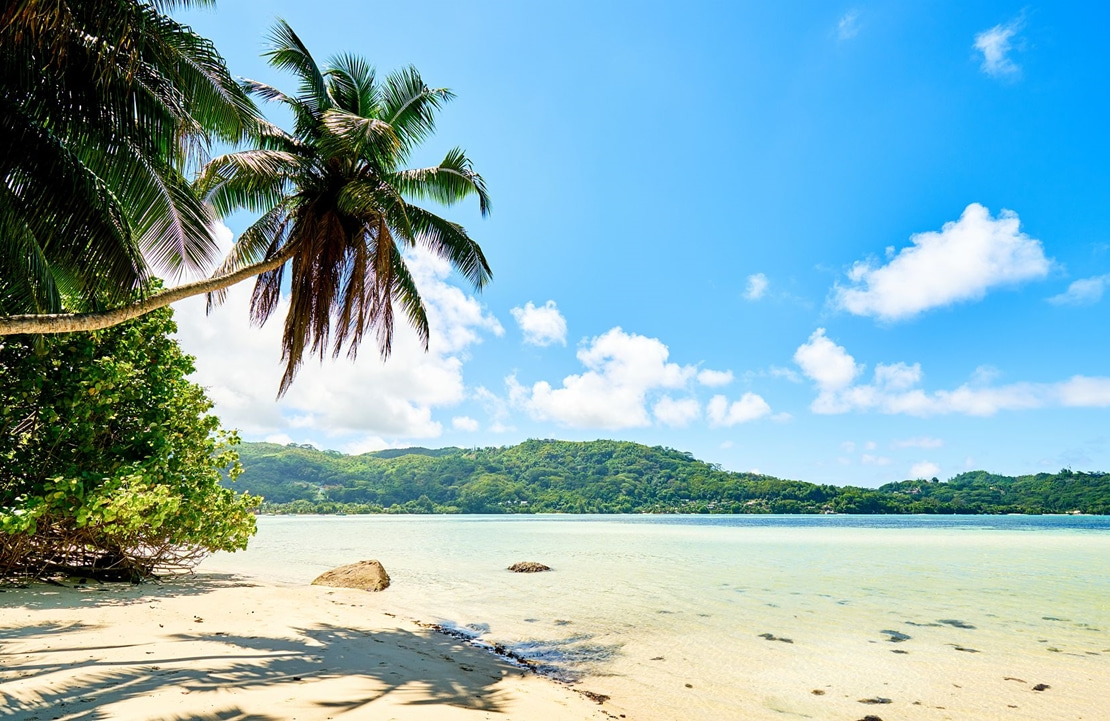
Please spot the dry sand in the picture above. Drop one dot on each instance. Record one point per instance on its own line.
(223, 647)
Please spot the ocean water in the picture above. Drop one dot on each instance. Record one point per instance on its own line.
(753, 617)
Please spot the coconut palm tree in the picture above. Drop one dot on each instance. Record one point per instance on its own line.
(335, 202)
(104, 106)
(335, 198)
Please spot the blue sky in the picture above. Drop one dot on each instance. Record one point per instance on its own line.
(844, 243)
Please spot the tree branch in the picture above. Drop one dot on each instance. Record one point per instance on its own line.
(76, 322)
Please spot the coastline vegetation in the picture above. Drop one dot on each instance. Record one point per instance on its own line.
(110, 462)
(549, 476)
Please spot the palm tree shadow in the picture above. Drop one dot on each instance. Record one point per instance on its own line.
(37, 595)
(426, 667)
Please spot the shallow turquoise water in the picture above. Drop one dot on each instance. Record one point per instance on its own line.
(640, 606)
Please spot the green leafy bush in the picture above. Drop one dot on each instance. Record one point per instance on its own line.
(110, 462)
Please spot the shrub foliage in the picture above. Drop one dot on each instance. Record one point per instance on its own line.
(110, 462)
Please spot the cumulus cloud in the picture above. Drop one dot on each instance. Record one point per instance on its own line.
(868, 459)
(961, 262)
(750, 407)
(713, 378)
(240, 366)
(366, 444)
(757, 286)
(464, 423)
(826, 363)
(1084, 392)
(847, 27)
(996, 44)
(894, 388)
(1086, 291)
(925, 470)
(541, 326)
(676, 413)
(622, 369)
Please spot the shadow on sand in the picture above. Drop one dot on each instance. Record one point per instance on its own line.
(432, 668)
(37, 595)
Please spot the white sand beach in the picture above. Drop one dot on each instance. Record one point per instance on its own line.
(217, 646)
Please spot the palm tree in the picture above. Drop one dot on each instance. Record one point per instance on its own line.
(104, 105)
(334, 197)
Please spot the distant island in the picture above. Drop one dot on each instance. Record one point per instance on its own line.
(549, 476)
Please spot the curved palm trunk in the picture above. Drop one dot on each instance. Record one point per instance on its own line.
(77, 322)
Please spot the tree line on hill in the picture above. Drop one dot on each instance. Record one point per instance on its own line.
(548, 476)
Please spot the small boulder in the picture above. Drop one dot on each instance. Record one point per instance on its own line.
(367, 575)
(528, 567)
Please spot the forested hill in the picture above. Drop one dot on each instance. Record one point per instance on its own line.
(616, 477)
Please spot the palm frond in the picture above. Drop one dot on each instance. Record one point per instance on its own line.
(348, 134)
(450, 241)
(451, 181)
(407, 294)
(351, 80)
(410, 106)
(288, 52)
(254, 180)
(263, 239)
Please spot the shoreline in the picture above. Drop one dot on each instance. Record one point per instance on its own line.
(229, 646)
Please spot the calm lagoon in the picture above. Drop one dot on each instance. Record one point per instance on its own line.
(753, 617)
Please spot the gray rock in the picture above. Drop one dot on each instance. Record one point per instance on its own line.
(367, 575)
(528, 567)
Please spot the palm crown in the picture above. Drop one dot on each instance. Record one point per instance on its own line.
(335, 199)
(104, 107)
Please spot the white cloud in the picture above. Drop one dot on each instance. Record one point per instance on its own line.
(785, 373)
(1084, 392)
(757, 286)
(961, 262)
(848, 446)
(622, 369)
(869, 460)
(279, 438)
(495, 406)
(714, 379)
(922, 442)
(725, 445)
(984, 375)
(676, 414)
(894, 388)
(240, 365)
(870, 446)
(541, 326)
(366, 444)
(925, 470)
(749, 408)
(847, 27)
(1087, 291)
(464, 423)
(829, 365)
(995, 45)
(897, 376)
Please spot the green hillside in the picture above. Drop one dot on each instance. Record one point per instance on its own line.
(543, 476)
